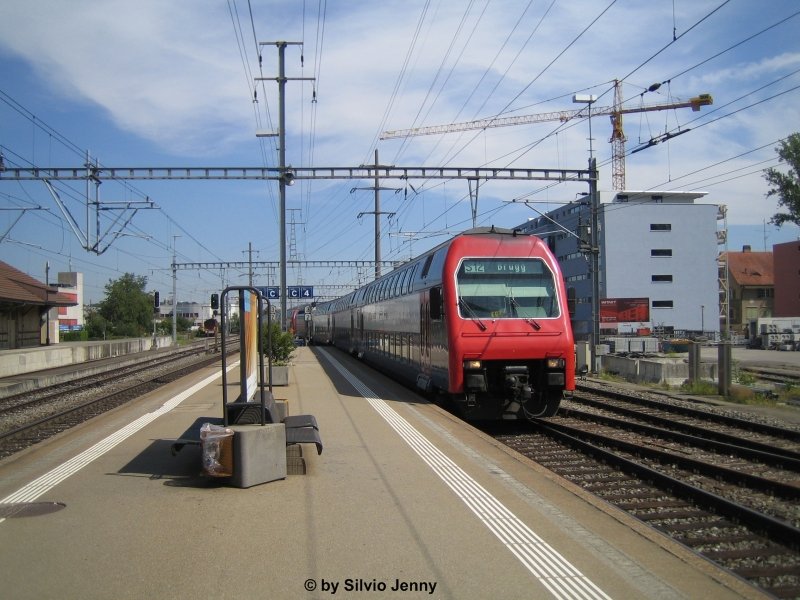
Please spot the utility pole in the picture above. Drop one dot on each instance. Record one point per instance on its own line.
(250, 264)
(174, 292)
(594, 199)
(293, 233)
(377, 212)
(47, 302)
(473, 200)
(286, 173)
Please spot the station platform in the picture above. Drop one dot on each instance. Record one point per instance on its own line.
(23, 369)
(405, 501)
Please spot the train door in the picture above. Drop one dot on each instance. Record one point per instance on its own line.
(437, 335)
(352, 344)
(360, 333)
(425, 335)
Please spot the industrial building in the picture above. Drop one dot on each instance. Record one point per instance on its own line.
(657, 262)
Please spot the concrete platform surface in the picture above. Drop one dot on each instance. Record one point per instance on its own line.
(405, 501)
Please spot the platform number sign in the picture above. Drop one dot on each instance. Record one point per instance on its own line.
(300, 292)
(270, 292)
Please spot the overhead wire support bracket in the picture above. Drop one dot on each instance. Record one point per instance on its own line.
(83, 237)
(22, 212)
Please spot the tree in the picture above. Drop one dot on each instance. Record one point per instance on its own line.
(786, 186)
(165, 326)
(127, 308)
(96, 326)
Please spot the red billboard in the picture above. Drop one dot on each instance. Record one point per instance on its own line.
(624, 310)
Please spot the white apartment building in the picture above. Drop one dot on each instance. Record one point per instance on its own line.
(656, 250)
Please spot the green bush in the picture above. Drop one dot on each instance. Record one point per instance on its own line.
(700, 388)
(282, 344)
(81, 335)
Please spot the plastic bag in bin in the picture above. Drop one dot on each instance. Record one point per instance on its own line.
(216, 443)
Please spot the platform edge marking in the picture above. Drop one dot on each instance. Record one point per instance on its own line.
(559, 576)
(52, 478)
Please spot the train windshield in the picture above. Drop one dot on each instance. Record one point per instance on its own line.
(498, 288)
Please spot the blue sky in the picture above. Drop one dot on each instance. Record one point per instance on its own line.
(149, 83)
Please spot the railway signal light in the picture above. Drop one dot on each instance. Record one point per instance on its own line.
(214, 301)
(156, 302)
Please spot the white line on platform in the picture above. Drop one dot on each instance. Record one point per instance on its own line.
(49, 480)
(554, 571)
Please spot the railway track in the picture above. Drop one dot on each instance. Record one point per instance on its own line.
(783, 376)
(726, 487)
(29, 418)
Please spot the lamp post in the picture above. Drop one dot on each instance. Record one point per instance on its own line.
(702, 318)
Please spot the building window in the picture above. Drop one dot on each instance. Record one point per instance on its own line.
(661, 252)
(660, 227)
(661, 278)
(765, 293)
(662, 303)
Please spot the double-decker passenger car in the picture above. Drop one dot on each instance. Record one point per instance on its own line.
(481, 318)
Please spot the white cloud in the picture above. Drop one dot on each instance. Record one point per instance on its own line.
(159, 71)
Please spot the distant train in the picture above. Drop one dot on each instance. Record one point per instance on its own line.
(481, 320)
(210, 327)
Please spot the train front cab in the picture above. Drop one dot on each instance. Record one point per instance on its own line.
(511, 345)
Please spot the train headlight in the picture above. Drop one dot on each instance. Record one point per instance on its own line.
(474, 376)
(556, 363)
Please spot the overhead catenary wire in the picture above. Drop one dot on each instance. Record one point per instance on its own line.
(332, 210)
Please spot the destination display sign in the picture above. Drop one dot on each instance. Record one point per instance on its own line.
(502, 266)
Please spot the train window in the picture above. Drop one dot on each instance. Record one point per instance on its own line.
(412, 278)
(398, 286)
(404, 281)
(427, 266)
(499, 288)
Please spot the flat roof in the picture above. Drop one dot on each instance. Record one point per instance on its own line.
(657, 196)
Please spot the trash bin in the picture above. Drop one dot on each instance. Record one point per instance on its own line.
(216, 444)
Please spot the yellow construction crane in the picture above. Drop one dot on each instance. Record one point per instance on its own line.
(617, 139)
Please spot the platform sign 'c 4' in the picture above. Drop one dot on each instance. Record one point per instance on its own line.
(300, 292)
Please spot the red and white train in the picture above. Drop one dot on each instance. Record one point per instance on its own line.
(481, 319)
